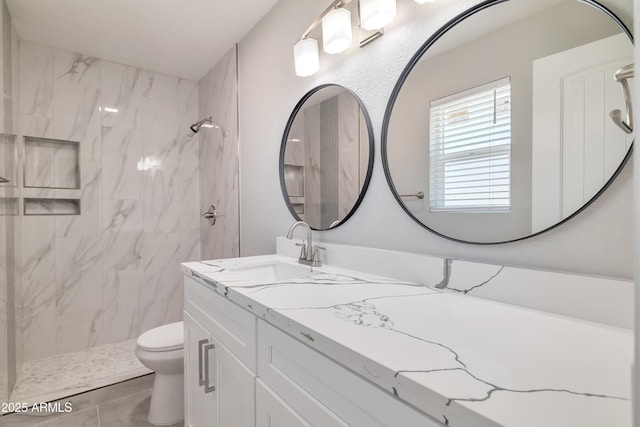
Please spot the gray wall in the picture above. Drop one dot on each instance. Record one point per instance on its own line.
(598, 241)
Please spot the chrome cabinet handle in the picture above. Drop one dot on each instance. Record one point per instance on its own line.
(201, 343)
(208, 388)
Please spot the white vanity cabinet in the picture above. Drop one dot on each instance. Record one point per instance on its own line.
(219, 357)
(197, 407)
(242, 371)
(341, 347)
(272, 410)
(302, 387)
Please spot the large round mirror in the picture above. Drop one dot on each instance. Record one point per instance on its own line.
(326, 156)
(499, 128)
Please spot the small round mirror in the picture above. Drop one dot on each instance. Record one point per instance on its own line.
(326, 157)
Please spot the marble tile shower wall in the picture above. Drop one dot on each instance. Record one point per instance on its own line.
(9, 224)
(113, 271)
(219, 173)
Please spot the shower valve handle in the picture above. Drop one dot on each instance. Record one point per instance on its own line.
(212, 215)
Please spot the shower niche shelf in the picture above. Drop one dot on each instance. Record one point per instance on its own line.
(298, 208)
(41, 206)
(51, 163)
(294, 180)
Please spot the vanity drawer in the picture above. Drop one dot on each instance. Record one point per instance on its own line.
(300, 375)
(271, 410)
(234, 327)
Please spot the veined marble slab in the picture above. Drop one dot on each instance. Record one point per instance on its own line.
(463, 360)
(601, 299)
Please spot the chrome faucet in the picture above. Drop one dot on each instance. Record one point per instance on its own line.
(308, 253)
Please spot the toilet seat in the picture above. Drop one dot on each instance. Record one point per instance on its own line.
(163, 338)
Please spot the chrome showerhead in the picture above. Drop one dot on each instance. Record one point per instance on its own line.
(196, 126)
(208, 123)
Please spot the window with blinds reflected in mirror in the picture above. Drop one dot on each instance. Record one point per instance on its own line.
(470, 150)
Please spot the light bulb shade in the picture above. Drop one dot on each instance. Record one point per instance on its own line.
(336, 31)
(305, 54)
(375, 14)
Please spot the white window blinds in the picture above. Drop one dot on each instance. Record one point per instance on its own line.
(470, 149)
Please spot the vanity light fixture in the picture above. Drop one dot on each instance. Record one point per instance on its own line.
(424, 1)
(305, 54)
(336, 31)
(375, 14)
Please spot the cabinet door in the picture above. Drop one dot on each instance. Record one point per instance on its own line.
(219, 389)
(233, 326)
(200, 407)
(272, 411)
(234, 388)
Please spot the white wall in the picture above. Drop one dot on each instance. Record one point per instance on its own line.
(598, 241)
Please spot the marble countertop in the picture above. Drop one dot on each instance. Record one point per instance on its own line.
(465, 361)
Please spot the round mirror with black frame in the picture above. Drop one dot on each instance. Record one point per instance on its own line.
(499, 127)
(326, 156)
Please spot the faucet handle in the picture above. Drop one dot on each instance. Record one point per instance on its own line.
(316, 255)
(303, 250)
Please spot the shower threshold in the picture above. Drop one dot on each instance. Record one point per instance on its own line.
(67, 374)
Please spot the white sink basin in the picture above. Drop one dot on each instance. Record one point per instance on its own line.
(272, 271)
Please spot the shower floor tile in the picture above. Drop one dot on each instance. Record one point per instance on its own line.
(72, 373)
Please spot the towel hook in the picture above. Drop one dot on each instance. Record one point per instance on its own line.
(418, 195)
(621, 77)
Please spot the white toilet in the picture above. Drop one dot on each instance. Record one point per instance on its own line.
(162, 350)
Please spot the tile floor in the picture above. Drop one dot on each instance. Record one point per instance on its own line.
(67, 374)
(120, 405)
(3, 385)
